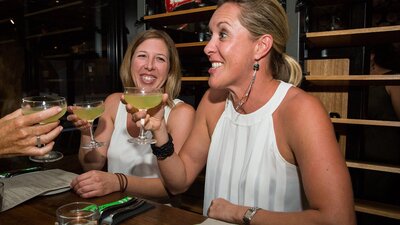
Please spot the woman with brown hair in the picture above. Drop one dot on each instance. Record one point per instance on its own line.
(150, 61)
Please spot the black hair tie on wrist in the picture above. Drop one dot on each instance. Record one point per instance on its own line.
(165, 150)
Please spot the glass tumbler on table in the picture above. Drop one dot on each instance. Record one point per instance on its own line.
(143, 99)
(90, 111)
(35, 104)
(82, 213)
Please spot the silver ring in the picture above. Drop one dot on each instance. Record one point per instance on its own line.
(38, 142)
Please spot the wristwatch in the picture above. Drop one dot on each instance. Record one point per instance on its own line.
(248, 216)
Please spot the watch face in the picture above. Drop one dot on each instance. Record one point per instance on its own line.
(249, 215)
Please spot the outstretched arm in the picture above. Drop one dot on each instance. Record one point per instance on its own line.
(94, 159)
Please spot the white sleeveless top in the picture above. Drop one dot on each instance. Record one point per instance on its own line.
(130, 158)
(244, 165)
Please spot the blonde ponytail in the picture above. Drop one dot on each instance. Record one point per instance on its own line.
(295, 71)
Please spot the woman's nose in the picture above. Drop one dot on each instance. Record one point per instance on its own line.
(209, 48)
(149, 65)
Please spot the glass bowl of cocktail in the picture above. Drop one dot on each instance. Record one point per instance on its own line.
(89, 111)
(35, 104)
(143, 98)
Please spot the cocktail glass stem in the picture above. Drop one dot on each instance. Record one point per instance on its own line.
(92, 141)
(142, 132)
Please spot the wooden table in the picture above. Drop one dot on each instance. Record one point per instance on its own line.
(41, 211)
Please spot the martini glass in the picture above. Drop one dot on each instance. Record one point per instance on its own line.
(90, 111)
(143, 99)
(35, 104)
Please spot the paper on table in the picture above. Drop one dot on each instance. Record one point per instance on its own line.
(23, 187)
(210, 221)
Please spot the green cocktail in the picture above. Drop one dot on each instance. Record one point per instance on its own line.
(143, 99)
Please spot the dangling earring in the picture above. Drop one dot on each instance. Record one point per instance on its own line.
(256, 67)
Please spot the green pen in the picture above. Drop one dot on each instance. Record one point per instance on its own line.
(12, 173)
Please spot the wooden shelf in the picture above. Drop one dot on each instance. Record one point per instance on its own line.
(378, 209)
(354, 37)
(181, 16)
(191, 44)
(373, 166)
(365, 122)
(353, 80)
(191, 48)
(194, 78)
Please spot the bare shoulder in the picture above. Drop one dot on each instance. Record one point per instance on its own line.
(300, 104)
(301, 112)
(181, 112)
(111, 104)
(183, 108)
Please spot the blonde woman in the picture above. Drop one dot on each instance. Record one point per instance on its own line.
(269, 148)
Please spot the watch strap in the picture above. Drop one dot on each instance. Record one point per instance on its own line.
(249, 214)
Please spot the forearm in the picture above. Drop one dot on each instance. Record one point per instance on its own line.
(90, 159)
(171, 168)
(307, 217)
(146, 187)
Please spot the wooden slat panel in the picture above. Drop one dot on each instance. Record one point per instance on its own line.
(334, 101)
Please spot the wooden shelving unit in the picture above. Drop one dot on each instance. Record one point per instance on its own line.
(337, 84)
(188, 16)
(353, 37)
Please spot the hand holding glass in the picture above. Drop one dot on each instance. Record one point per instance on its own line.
(143, 99)
(90, 111)
(39, 103)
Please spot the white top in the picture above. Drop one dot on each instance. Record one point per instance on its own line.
(130, 158)
(244, 165)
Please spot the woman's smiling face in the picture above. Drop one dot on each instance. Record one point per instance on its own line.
(230, 50)
(150, 63)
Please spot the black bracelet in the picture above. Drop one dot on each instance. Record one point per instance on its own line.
(165, 150)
